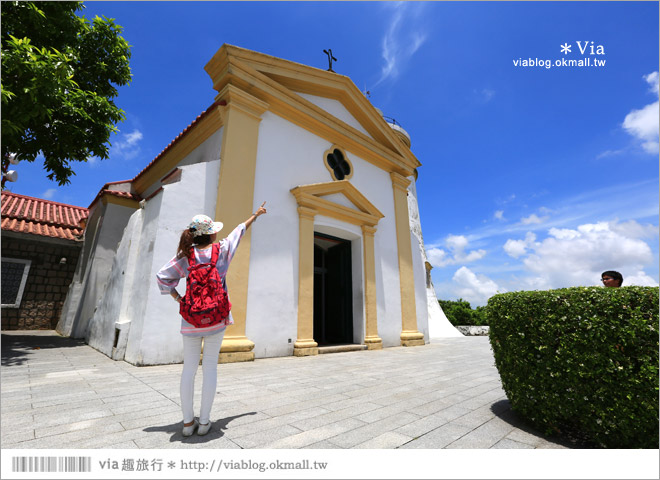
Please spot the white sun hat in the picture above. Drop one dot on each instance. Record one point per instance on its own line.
(204, 225)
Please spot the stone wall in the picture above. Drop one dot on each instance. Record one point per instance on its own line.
(473, 330)
(47, 283)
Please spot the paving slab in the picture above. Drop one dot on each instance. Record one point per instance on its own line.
(60, 393)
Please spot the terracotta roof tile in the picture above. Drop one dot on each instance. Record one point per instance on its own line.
(37, 216)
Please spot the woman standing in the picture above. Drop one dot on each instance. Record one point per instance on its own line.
(198, 240)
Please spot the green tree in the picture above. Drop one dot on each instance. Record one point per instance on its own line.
(459, 312)
(481, 316)
(59, 77)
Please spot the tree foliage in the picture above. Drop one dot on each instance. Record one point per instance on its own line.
(60, 74)
(459, 312)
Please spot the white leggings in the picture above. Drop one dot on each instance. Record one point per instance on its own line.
(192, 348)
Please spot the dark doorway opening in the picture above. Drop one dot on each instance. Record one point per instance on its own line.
(333, 291)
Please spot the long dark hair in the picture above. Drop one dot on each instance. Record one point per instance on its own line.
(187, 240)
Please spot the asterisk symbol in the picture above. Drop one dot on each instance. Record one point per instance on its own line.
(565, 48)
(171, 465)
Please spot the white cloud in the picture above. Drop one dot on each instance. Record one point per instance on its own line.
(456, 242)
(133, 137)
(476, 289)
(610, 153)
(515, 248)
(403, 38)
(640, 279)
(632, 229)
(643, 124)
(574, 257)
(49, 194)
(436, 256)
(653, 80)
(499, 214)
(128, 146)
(457, 245)
(518, 248)
(533, 219)
(487, 94)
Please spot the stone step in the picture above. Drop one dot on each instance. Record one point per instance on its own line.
(341, 348)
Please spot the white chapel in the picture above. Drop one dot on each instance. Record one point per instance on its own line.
(337, 263)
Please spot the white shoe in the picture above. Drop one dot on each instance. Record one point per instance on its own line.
(188, 431)
(204, 428)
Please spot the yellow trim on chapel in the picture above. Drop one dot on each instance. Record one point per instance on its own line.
(410, 336)
(312, 196)
(235, 204)
(305, 344)
(243, 69)
(366, 216)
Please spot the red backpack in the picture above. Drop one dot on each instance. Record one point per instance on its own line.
(206, 302)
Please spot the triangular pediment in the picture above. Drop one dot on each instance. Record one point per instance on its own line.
(353, 206)
(281, 82)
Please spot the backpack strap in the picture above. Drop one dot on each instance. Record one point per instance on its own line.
(191, 258)
(215, 254)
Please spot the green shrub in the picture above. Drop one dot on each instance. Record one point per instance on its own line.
(581, 360)
(459, 312)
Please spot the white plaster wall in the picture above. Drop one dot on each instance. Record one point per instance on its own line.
(419, 272)
(437, 324)
(376, 185)
(108, 311)
(74, 297)
(289, 156)
(97, 261)
(154, 337)
(336, 109)
(141, 292)
(209, 150)
(340, 199)
(283, 161)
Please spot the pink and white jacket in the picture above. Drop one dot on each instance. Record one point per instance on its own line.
(169, 275)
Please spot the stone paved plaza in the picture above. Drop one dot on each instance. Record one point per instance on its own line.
(60, 393)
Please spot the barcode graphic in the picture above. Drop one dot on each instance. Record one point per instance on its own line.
(51, 464)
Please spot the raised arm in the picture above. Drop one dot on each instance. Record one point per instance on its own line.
(260, 211)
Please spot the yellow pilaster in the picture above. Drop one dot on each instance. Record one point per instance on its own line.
(410, 336)
(371, 338)
(305, 344)
(238, 158)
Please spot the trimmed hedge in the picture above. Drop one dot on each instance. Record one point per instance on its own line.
(581, 360)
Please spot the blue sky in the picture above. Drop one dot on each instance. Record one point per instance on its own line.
(532, 177)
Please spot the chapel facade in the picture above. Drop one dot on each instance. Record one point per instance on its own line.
(338, 260)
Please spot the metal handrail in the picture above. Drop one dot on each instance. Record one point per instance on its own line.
(392, 121)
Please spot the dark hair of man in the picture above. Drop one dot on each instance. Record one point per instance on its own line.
(615, 275)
